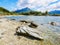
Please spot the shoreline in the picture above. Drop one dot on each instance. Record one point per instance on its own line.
(23, 15)
(18, 15)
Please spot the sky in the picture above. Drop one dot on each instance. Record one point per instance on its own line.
(39, 5)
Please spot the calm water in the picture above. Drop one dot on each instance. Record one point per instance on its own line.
(40, 20)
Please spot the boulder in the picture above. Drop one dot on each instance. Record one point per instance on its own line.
(52, 23)
(55, 23)
(25, 30)
(26, 21)
(30, 23)
(33, 25)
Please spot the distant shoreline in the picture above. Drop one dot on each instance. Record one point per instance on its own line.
(11, 15)
(19, 15)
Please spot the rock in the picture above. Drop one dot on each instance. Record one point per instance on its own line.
(13, 19)
(55, 23)
(26, 21)
(30, 23)
(33, 25)
(52, 23)
(29, 31)
(2, 33)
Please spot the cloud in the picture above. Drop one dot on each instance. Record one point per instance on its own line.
(55, 6)
(40, 5)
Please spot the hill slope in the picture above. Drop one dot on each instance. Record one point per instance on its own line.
(3, 9)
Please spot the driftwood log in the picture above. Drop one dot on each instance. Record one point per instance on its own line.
(25, 30)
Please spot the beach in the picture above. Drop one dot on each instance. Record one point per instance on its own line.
(8, 37)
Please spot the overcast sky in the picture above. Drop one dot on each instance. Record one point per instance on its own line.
(40, 5)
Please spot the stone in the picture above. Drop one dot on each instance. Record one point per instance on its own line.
(33, 25)
(26, 21)
(13, 19)
(55, 23)
(52, 23)
(30, 23)
(2, 33)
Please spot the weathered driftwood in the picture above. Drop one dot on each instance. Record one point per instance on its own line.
(29, 31)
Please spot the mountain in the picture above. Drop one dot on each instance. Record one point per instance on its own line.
(23, 10)
(3, 9)
(55, 12)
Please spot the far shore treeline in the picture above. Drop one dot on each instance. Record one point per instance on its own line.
(4, 11)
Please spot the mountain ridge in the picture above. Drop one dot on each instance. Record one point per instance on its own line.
(54, 12)
(23, 10)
